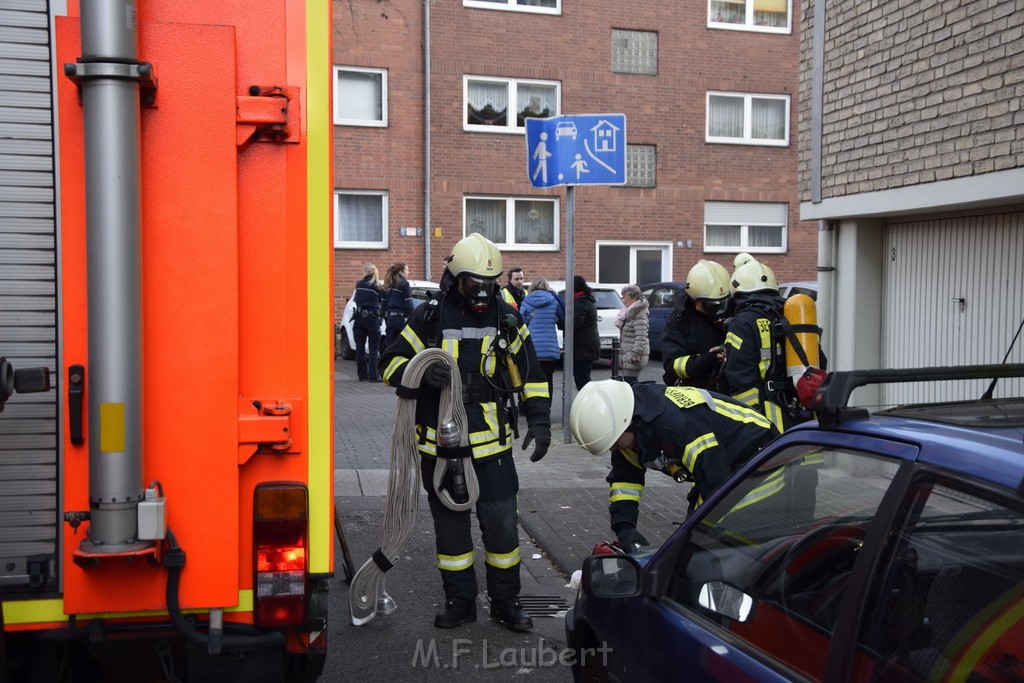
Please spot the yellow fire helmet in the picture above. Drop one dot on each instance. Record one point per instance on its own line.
(708, 280)
(600, 413)
(752, 276)
(475, 255)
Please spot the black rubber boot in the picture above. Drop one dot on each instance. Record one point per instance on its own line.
(509, 613)
(456, 613)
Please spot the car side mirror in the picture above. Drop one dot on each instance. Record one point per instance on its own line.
(612, 576)
(729, 601)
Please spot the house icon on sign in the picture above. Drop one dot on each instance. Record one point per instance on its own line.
(605, 136)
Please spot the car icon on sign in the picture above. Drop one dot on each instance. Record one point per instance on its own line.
(565, 128)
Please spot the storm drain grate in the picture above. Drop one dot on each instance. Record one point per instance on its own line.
(544, 605)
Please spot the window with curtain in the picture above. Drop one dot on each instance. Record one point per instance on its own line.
(513, 222)
(772, 16)
(739, 118)
(360, 96)
(489, 100)
(756, 227)
(536, 6)
(360, 219)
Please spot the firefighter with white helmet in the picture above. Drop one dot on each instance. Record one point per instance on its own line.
(692, 344)
(687, 433)
(755, 367)
(496, 362)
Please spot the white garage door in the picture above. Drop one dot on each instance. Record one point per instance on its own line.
(953, 295)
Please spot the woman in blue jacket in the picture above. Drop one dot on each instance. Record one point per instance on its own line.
(543, 310)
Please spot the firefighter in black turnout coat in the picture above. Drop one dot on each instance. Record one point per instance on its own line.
(687, 433)
(483, 333)
(692, 345)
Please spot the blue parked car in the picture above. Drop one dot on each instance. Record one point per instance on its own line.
(660, 297)
(863, 547)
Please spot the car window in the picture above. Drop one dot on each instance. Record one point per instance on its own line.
(660, 297)
(784, 540)
(949, 601)
(607, 298)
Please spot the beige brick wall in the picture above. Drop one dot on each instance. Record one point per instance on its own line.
(914, 92)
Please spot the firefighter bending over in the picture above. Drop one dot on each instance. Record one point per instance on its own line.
(693, 343)
(496, 360)
(687, 433)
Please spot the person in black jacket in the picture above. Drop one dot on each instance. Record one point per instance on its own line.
(687, 433)
(586, 344)
(398, 305)
(487, 337)
(693, 342)
(366, 323)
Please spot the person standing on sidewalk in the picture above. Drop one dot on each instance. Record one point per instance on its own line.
(687, 433)
(634, 326)
(366, 324)
(513, 292)
(586, 341)
(543, 312)
(492, 346)
(398, 305)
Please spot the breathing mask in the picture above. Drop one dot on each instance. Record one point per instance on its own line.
(479, 292)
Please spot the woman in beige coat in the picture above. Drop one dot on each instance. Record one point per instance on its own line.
(634, 326)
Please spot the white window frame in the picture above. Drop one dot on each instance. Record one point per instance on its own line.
(512, 6)
(513, 102)
(749, 24)
(747, 139)
(634, 246)
(510, 221)
(372, 123)
(746, 216)
(351, 244)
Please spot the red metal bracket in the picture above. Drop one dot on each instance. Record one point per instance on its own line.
(267, 114)
(265, 425)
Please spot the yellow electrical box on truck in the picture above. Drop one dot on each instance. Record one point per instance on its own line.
(166, 450)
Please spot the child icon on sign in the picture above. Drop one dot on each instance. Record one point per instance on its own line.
(579, 166)
(542, 154)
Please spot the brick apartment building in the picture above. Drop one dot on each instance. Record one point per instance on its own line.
(709, 91)
(912, 159)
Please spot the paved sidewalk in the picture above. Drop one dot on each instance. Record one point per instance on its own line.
(563, 498)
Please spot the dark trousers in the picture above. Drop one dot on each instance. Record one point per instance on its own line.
(549, 366)
(498, 518)
(581, 372)
(394, 323)
(367, 334)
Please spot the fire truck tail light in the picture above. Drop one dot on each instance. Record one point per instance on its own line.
(280, 535)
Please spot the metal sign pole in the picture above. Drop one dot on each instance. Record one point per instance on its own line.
(568, 385)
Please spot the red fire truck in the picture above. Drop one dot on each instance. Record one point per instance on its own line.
(166, 465)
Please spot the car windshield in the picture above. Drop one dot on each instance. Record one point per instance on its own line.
(607, 298)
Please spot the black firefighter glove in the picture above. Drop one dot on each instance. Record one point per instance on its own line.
(539, 428)
(705, 363)
(631, 540)
(438, 375)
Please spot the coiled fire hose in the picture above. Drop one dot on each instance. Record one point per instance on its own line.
(368, 596)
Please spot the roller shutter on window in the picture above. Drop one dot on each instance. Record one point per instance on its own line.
(28, 296)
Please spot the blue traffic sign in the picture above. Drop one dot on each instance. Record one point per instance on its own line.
(582, 149)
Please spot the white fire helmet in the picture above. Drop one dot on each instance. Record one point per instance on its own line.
(600, 413)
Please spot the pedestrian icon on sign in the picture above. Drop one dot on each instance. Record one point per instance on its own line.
(581, 149)
(579, 166)
(541, 154)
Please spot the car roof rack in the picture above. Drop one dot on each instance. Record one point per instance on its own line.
(831, 398)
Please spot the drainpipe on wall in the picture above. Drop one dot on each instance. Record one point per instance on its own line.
(826, 282)
(426, 140)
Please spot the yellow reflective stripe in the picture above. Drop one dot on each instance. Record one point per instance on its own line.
(52, 610)
(396, 362)
(536, 390)
(764, 326)
(621, 490)
(502, 560)
(740, 413)
(409, 335)
(488, 363)
(774, 413)
(517, 344)
(633, 457)
(990, 633)
(748, 398)
(814, 459)
(454, 563)
(696, 447)
(772, 484)
(679, 366)
(451, 346)
(734, 340)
